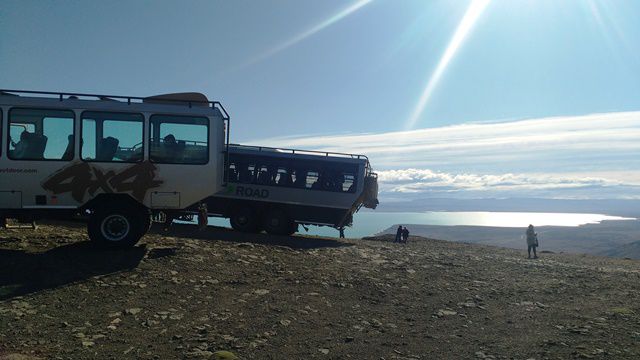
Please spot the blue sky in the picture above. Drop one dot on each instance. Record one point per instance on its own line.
(308, 69)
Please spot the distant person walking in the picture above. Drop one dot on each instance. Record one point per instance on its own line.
(203, 216)
(405, 235)
(532, 241)
(398, 234)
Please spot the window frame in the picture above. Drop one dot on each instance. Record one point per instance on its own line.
(73, 119)
(150, 137)
(111, 112)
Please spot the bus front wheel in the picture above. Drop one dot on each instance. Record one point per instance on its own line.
(116, 228)
(244, 219)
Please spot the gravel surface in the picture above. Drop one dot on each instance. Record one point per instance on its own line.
(188, 294)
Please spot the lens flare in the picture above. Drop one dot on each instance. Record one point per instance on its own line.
(312, 31)
(475, 10)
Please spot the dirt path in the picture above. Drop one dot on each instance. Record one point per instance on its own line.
(184, 294)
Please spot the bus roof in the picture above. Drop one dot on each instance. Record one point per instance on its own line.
(180, 103)
(297, 153)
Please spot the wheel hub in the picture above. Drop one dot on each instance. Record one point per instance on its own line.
(115, 227)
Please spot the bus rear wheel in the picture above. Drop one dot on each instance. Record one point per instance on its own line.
(276, 222)
(244, 219)
(117, 228)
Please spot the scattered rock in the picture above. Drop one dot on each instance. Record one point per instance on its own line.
(444, 312)
(197, 353)
(133, 311)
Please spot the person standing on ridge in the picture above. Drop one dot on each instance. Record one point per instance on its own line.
(532, 241)
(398, 234)
(405, 235)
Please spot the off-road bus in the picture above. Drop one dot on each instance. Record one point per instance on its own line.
(120, 160)
(113, 159)
(276, 189)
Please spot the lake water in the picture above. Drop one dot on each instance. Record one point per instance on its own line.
(371, 222)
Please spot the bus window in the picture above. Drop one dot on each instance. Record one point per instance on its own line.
(243, 168)
(313, 181)
(349, 183)
(245, 172)
(233, 173)
(111, 137)
(179, 139)
(283, 177)
(39, 134)
(263, 175)
(61, 146)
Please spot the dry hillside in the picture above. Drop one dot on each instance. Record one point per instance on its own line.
(187, 294)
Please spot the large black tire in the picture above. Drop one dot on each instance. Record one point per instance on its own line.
(117, 227)
(276, 222)
(244, 219)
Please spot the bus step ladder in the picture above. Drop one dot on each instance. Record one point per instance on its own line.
(18, 225)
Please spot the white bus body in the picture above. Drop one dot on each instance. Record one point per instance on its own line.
(116, 158)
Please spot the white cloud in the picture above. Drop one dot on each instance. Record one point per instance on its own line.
(590, 155)
(577, 137)
(419, 180)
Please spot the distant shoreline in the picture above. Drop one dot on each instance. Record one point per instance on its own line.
(613, 207)
(616, 238)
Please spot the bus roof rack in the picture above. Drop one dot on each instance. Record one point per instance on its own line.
(301, 152)
(185, 99)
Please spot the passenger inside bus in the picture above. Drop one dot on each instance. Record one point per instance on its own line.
(318, 184)
(339, 182)
(30, 146)
(285, 178)
(68, 152)
(233, 174)
(36, 146)
(173, 150)
(301, 179)
(263, 176)
(20, 147)
(107, 148)
(244, 173)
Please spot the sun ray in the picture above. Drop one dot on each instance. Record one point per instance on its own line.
(475, 10)
(309, 32)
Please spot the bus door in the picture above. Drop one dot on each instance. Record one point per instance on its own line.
(180, 148)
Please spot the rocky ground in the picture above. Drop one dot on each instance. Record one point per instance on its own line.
(188, 294)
